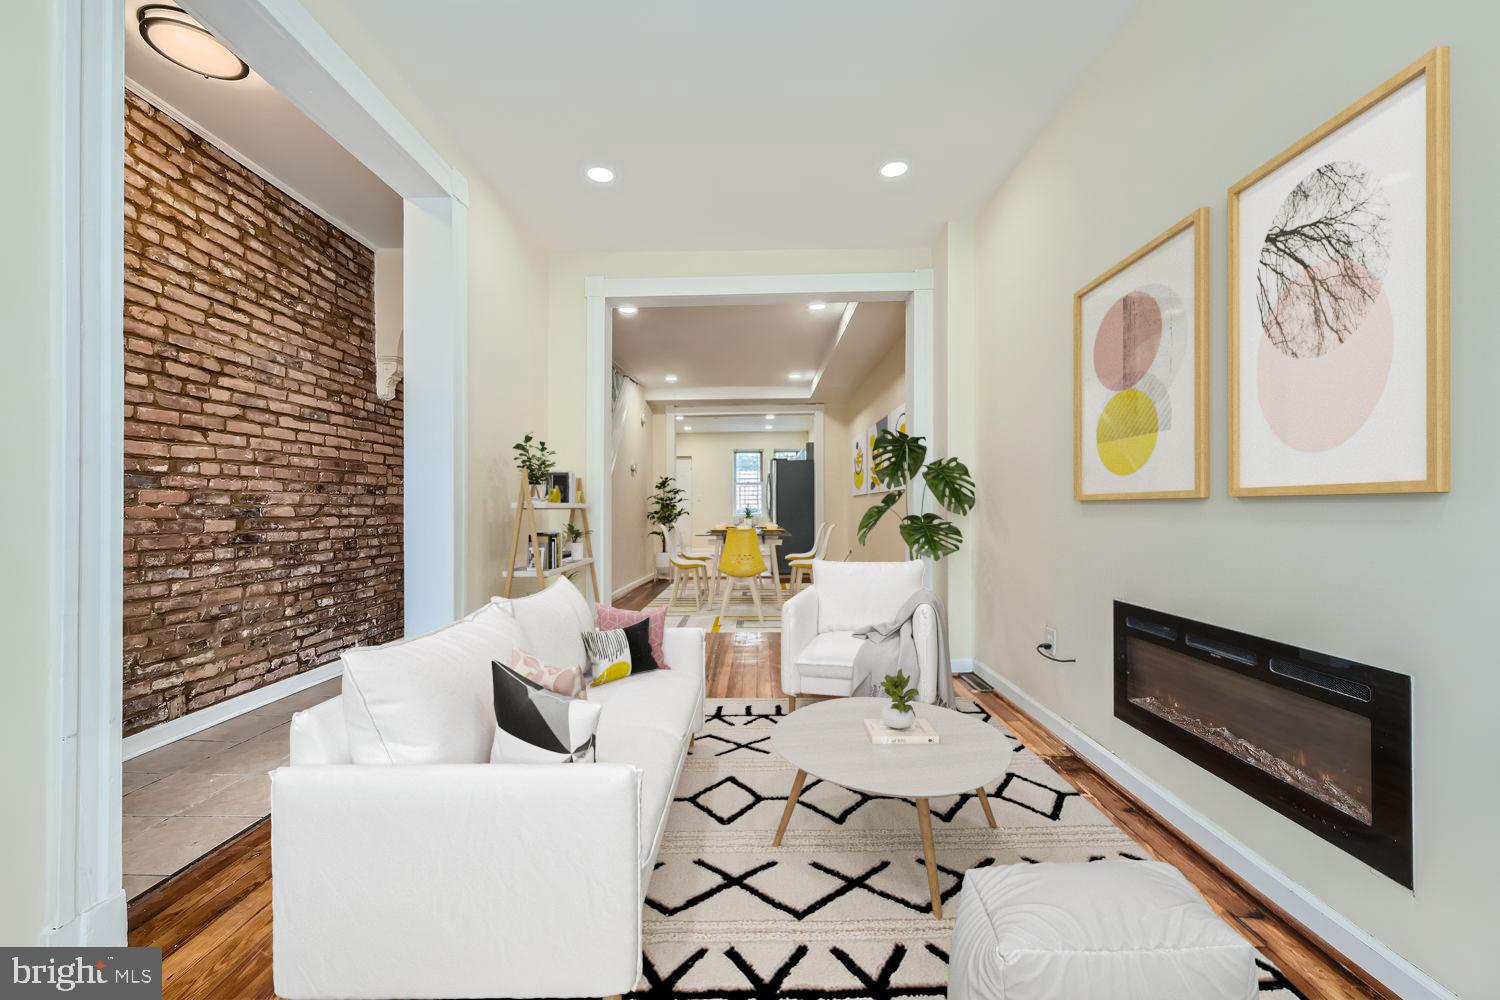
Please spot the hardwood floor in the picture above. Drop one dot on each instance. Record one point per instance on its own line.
(213, 921)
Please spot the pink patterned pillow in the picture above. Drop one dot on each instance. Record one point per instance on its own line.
(563, 680)
(620, 617)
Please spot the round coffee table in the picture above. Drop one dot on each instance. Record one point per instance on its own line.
(828, 741)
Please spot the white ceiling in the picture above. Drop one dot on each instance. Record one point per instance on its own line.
(737, 126)
(259, 125)
(739, 345)
(754, 423)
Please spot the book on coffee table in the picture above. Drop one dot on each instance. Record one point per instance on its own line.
(880, 734)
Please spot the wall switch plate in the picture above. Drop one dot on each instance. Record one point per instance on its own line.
(1049, 639)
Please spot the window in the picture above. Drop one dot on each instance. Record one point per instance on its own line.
(747, 484)
(779, 453)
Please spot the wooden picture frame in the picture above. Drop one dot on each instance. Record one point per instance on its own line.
(1182, 248)
(1278, 438)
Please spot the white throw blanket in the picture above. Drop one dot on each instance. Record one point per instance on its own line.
(890, 646)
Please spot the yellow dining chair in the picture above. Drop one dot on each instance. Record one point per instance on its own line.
(801, 563)
(742, 560)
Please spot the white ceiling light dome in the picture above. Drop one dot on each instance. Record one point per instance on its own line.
(670, 378)
(894, 169)
(600, 175)
(817, 306)
(628, 310)
(177, 37)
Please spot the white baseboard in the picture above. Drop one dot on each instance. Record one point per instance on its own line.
(195, 722)
(1393, 971)
(619, 591)
(100, 926)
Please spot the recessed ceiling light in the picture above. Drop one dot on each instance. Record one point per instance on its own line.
(817, 306)
(600, 175)
(679, 416)
(770, 416)
(770, 427)
(796, 376)
(628, 310)
(670, 378)
(177, 37)
(894, 169)
(688, 427)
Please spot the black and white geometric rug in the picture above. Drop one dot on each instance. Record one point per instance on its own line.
(841, 911)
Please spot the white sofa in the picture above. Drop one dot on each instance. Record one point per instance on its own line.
(453, 877)
(818, 647)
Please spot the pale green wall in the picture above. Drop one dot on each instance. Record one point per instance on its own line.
(1190, 97)
(29, 173)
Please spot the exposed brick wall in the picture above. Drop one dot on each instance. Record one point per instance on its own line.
(262, 475)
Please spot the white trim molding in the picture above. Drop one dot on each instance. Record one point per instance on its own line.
(913, 287)
(1336, 930)
(184, 726)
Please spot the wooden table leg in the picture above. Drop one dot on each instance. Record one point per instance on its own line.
(924, 821)
(984, 801)
(791, 803)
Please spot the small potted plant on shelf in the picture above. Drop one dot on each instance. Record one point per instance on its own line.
(574, 535)
(537, 461)
(898, 714)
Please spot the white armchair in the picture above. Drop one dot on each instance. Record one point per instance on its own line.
(818, 647)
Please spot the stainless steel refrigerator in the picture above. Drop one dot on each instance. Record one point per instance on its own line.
(791, 491)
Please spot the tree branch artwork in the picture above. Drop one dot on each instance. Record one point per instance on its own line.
(1323, 260)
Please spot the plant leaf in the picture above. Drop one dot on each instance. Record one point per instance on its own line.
(929, 536)
(874, 514)
(951, 484)
(897, 457)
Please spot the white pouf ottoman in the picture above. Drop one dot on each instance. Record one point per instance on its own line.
(1106, 930)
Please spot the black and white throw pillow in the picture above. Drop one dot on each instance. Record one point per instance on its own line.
(617, 653)
(536, 726)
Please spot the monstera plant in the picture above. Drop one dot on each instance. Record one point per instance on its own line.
(900, 462)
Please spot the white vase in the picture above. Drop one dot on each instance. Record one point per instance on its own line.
(898, 720)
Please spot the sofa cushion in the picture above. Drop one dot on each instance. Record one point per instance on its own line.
(663, 700)
(427, 699)
(658, 755)
(855, 595)
(830, 655)
(609, 617)
(555, 619)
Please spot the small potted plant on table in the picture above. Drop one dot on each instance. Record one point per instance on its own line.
(898, 714)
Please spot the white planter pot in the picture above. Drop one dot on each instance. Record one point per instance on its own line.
(897, 720)
(663, 566)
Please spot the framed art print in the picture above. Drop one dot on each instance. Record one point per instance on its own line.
(1140, 372)
(1338, 301)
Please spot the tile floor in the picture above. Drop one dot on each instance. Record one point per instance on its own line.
(186, 798)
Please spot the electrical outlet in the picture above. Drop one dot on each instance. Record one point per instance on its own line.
(1049, 639)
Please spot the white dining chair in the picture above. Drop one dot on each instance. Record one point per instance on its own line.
(685, 569)
(801, 562)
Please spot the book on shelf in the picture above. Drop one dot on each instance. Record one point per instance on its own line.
(920, 731)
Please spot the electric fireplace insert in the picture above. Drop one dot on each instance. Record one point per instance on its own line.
(1324, 741)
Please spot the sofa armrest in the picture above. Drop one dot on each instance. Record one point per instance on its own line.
(456, 880)
(684, 648)
(924, 635)
(799, 627)
(318, 735)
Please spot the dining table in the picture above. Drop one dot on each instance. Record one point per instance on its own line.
(771, 537)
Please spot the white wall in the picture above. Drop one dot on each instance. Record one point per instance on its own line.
(507, 350)
(881, 390)
(31, 94)
(388, 284)
(632, 549)
(1190, 97)
(712, 501)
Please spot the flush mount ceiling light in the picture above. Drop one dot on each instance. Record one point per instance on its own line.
(174, 35)
(600, 175)
(770, 416)
(628, 310)
(894, 169)
(688, 427)
(670, 378)
(817, 306)
(770, 427)
(679, 416)
(796, 376)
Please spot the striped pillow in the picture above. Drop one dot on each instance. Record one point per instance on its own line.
(608, 651)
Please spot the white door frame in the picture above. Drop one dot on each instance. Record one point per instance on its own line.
(85, 895)
(602, 293)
